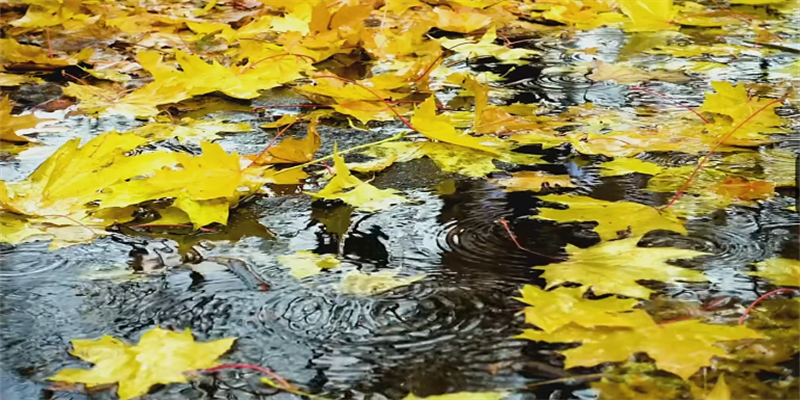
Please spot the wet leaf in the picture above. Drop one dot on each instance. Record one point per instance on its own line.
(440, 127)
(13, 123)
(617, 266)
(534, 180)
(681, 348)
(486, 47)
(625, 74)
(779, 271)
(189, 130)
(624, 166)
(359, 283)
(160, 357)
(614, 219)
(13, 52)
(742, 189)
(461, 396)
(291, 150)
(719, 392)
(305, 263)
(734, 102)
(649, 15)
(559, 307)
(351, 190)
(10, 80)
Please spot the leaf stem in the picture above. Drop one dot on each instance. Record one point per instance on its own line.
(761, 298)
(705, 158)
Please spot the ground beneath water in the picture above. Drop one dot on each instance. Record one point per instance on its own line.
(452, 331)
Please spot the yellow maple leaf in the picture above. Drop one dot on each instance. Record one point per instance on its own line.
(365, 284)
(291, 150)
(9, 80)
(734, 102)
(556, 308)
(779, 271)
(486, 47)
(461, 396)
(462, 22)
(351, 190)
(160, 357)
(614, 218)
(46, 14)
(680, 347)
(625, 74)
(305, 263)
(533, 180)
(440, 127)
(624, 166)
(650, 15)
(616, 266)
(13, 123)
(188, 129)
(13, 52)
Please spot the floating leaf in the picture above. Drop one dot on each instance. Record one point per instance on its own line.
(779, 271)
(534, 180)
(365, 284)
(681, 347)
(624, 166)
(305, 263)
(617, 266)
(626, 75)
(461, 396)
(614, 218)
(161, 357)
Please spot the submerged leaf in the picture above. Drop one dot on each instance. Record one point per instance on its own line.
(461, 396)
(779, 271)
(305, 263)
(364, 284)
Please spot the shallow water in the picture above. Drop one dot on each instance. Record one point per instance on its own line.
(452, 331)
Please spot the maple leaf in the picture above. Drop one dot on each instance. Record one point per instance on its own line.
(649, 15)
(13, 123)
(720, 391)
(583, 14)
(351, 190)
(13, 52)
(742, 189)
(141, 102)
(556, 308)
(779, 271)
(9, 80)
(462, 22)
(734, 102)
(680, 347)
(188, 129)
(45, 14)
(625, 75)
(365, 284)
(533, 180)
(440, 127)
(461, 396)
(305, 263)
(616, 266)
(160, 357)
(486, 47)
(624, 166)
(613, 217)
(291, 150)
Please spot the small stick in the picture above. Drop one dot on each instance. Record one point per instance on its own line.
(49, 43)
(503, 222)
(764, 296)
(263, 370)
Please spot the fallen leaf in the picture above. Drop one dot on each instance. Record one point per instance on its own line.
(305, 263)
(680, 347)
(13, 52)
(351, 190)
(291, 150)
(486, 47)
(358, 283)
(461, 396)
(161, 357)
(559, 307)
(649, 15)
(617, 266)
(188, 129)
(613, 217)
(779, 271)
(741, 189)
(626, 75)
(624, 166)
(13, 123)
(462, 22)
(721, 391)
(440, 127)
(533, 180)
(10, 80)
(734, 102)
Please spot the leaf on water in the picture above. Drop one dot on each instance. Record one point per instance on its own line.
(624, 166)
(649, 15)
(614, 218)
(681, 348)
(188, 129)
(305, 263)
(779, 271)
(559, 307)
(351, 190)
(735, 102)
(486, 47)
(625, 74)
(461, 396)
(359, 283)
(440, 127)
(293, 151)
(721, 391)
(13, 123)
(741, 189)
(160, 357)
(534, 180)
(617, 266)
(284, 120)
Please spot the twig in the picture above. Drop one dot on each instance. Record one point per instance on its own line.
(49, 43)
(764, 296)
(263, 370)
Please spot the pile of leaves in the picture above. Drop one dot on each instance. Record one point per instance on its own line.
(154, 64)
